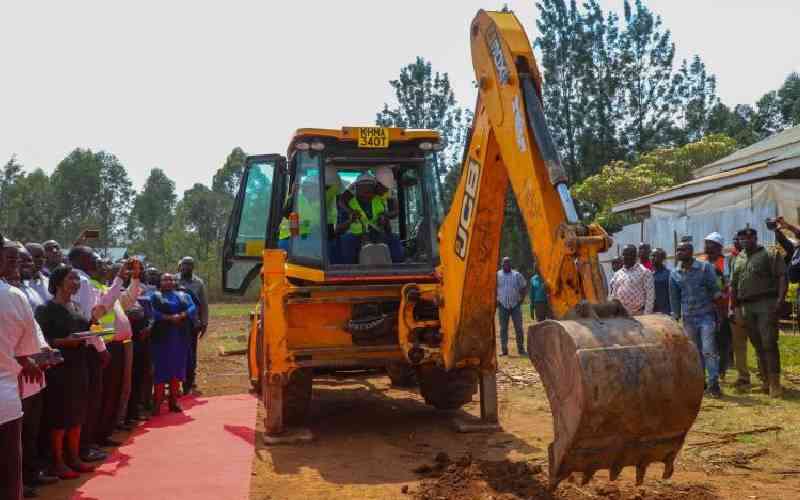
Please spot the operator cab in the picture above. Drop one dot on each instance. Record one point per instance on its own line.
(353, 202)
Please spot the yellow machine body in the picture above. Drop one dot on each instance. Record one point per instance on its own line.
(623, 391)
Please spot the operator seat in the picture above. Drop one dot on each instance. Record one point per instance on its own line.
(374, 254)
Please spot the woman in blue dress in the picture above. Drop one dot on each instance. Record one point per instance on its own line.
(173, 311)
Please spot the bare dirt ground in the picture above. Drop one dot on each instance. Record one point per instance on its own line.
(373, 441)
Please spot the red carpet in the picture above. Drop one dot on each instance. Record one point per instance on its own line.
(203, 453)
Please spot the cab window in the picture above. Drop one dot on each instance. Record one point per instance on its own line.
(304, 237)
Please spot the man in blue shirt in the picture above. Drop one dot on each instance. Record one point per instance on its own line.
(538, 296)
(661, 276)
(693, 287)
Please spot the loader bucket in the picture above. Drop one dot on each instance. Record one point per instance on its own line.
(622, 392)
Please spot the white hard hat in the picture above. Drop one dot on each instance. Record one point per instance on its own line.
(385, 177)
(716, 238)
(365, 178)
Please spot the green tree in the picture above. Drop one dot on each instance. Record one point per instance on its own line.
(227, 178)
(611, 88)
(565, 43)
(116, 200)
(9, 176)
(659, 169)
(425, 99)
(152, 213)
(25, 203)
(789, 96)
(31, 208)
(91, 190)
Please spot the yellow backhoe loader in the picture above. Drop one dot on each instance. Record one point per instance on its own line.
(359, 268)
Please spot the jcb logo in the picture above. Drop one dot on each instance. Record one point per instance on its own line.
(496, 50)
(467, 208)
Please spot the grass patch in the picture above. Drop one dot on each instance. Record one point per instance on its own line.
(789, 346)
(228, 311)
(233, 340)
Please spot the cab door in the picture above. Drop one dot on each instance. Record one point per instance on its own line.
(254, 220)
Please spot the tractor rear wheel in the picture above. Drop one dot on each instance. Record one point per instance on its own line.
(298, 397)
(292, 399)
(401, 374)
(447, 390)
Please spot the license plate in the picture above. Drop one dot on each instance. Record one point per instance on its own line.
(373, 137)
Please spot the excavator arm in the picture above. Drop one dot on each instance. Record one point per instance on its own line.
(623, 391)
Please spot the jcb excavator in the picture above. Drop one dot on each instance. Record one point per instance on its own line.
(343, 232)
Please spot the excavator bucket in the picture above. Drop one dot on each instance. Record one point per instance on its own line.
(623, 391)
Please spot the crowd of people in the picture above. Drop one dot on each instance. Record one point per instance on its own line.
(87, 347)
(721, 301)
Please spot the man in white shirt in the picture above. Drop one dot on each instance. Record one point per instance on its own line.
(38, 281)
(511, 289)
(92, 305)
(17, 343)
(633, 285)
(32, 396)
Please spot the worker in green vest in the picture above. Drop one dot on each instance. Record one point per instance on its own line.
(308, 211)
(367, 217)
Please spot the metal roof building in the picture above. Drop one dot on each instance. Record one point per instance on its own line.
(740, 190)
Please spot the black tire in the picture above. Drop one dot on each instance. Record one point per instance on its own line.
(297, 397)
(401, 374)
(447, 390)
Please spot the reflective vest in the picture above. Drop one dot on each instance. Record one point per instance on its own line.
(378, 209)
(308, 213)
(311, 210)
(106, 321)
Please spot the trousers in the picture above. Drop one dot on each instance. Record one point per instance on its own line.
(701, 329)
(191, 367)
(540, 311)
(111, 395)
(739, 341)
(32, 408)
(761, 322)
(94, 399)
(11, 460)
(515, 313)
(350, 245)
(127, 381)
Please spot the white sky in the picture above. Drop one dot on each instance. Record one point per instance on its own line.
(177, 84)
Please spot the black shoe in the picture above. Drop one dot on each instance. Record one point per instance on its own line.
(125, 426)
(43, 479)
(92, 455)
(715, 392)
(523, 353)
(29, 492)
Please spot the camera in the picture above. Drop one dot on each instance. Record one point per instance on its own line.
(772, 223)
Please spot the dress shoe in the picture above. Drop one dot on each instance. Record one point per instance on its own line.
(92, 455)
(29, 492)
(43, 479)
